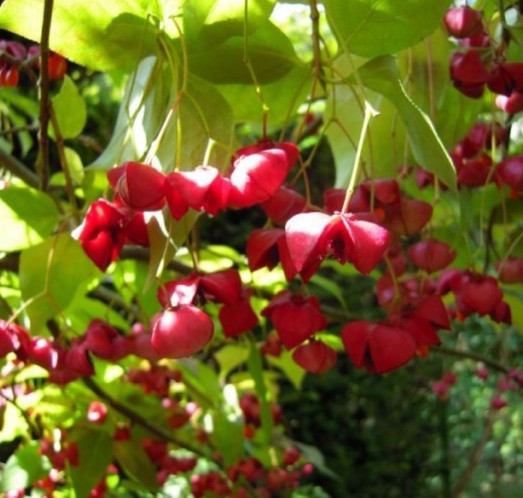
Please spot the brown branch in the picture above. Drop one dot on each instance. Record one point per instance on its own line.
(475, 456)
(473, 356)
(42, 164)
(69, 187)
(18, 169)
(138, 419)
(316, 48)
(18, 129)
(143, 254)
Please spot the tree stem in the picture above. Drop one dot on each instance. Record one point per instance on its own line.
(19, 169)
(42, 164)
(138, 419)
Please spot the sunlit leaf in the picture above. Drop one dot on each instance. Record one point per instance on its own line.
(371, 28)
(98, 34)
(27, 216)
(51, 273)
(270, 53)
(203, 382)
(281, 97)
(382, 76)
(135, 463)
(290, 369)
(95, 448)
(228, 437)
(208, 23)
(24, 467)
(70, 109)
(230, 357)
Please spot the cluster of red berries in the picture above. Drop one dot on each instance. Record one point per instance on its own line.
(13, 54)
(257, 173)
(182, 328)
(371, 226)
(363, 229)
(474, 163)
(164, 462)
(251, 409)
(266, 483)
(9, 75)
(482, 63)
(157, 379)
(60, 453)
(473, 159)
(67, 362)
(512, 381)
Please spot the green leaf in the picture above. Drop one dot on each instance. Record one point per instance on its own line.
(228, 437)
(202, 114)
(382, 76)
(208, 23)
(13, 424)
(202, 382)
(270, 53)
(98, 34)
(82, 310)
(330, 286)
(231, 356)
(382, 153)
(290, 369)
(95, 453)
(13, 97)
(70, 109)
(281, 97)
(313, 455)
(51, 274)
(332, 340)
(135, 463)
(254, 363)
(144, 102)
(76, 168)
(377, 27)
(27, 216)
(25, 467)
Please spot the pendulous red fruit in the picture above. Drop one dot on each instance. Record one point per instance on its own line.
(139, 186)
(468, 73)
(283, 205)
(510, 271)
(463, 22)
(510, 171)
(202, 189)
(431, 255)
(57, 66)
(255, 178)
(180, 332)
(294, 317)
(510, 104)
(315, 357)
(237, 317)
(481, 294)
(377, 347)
(346, 236)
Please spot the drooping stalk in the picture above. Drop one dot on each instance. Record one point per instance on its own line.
(370, 112)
